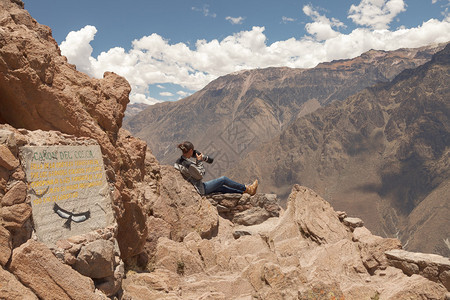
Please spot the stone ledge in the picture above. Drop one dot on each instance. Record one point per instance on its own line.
(431, 266)
(353, 222)
(244, 209)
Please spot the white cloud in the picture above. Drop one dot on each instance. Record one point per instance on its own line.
(322, 27)
(183, 93)
(235, 21)
(446, 13)
(141, 98)
(376, 14)
(287, 19)
(166, 94)
(152, 60)
(77, 49)
(205, 11)
(160, 86)
(434, 1)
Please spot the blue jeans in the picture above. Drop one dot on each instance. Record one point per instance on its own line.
(223, 185)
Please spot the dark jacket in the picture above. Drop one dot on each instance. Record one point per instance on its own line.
(193, 171)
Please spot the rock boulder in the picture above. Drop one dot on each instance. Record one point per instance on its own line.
(38, 269)
(182, 207)
(16, 194)
(5, 245)
(96, 259)
(245, 209)
(434, 267)
(315, 218)
(12, 288)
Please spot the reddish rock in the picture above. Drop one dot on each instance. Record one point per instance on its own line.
(77, 239)
(159, 284)
(96, 259)
(156, 228)
(132, 230)
(64, 244)
(444, 277)
(252, 216)
(373, 247)
(182, 207)
(315, 217)
(431, 266)
(69, 258)
(41, 90)
(18, 175)
(133, 152)
(112, 284)
(305, 250)
(245, 209)
(11, 288)
(4, 177)
(5, 245)
(37, 268)
(353, 223)
(8, 139)
(177, 258)
(7, 159)
(17, 194)
(15, 216)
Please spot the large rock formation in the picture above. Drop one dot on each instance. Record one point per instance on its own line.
(238, 112)
(36, 267)
(381, 154)
(40, 90)
(19, 227)
(56, 105)
(182, 208)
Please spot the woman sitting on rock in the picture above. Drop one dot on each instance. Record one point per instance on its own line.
(190, 164)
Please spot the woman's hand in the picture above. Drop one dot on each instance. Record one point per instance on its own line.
(199, 157)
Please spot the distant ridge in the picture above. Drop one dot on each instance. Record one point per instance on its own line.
(235, 113)
(382, 154)
(133, 109)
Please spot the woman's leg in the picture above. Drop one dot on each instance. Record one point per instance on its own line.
(233, 184)
(228, 190)
(215, 185)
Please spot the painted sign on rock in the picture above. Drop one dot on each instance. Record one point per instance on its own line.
(68, 190)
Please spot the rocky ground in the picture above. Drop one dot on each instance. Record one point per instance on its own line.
(308, 252)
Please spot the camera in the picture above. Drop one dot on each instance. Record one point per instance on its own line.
(206, 158)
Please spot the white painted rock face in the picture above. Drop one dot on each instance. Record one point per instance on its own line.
(68, 190)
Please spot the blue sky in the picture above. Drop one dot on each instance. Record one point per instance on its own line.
(170, 49)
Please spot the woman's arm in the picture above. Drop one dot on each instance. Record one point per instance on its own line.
(189, 168)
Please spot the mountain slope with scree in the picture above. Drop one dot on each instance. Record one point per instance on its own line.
(382, 154)
(236, 113)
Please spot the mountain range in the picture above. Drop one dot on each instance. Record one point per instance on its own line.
(236, 113)
(133, 109)
(382, 154)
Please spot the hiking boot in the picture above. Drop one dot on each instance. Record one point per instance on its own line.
(251, 189)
